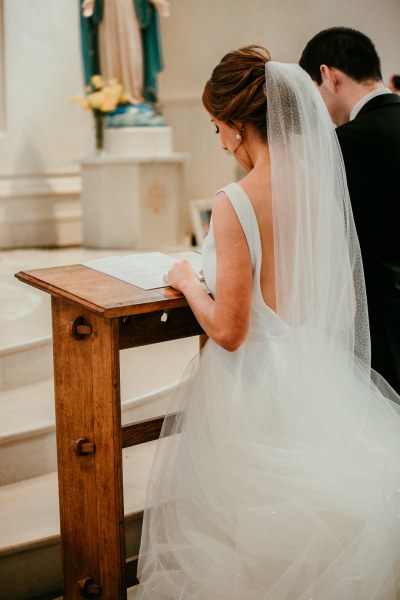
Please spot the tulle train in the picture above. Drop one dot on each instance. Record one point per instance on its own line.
(260, 490)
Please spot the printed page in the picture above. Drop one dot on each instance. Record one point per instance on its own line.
(144, 270)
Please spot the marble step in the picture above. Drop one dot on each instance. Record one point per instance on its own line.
(27, 432)
(26, 363)
(149, 376)
(30, 562)
(25, 333)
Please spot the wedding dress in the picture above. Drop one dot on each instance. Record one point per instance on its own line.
(280, 478)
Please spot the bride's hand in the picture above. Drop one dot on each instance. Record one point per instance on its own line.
(180, 275)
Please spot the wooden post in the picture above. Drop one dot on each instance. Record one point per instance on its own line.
(89, 450)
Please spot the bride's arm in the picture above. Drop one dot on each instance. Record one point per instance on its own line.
(225, 319)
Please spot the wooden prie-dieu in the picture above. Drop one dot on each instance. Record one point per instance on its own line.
(94, 317)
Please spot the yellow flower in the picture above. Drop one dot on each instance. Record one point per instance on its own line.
(108, 106)
(97, 81)
(84, 103)
(81, 100)
(95, 99)
(103, 96)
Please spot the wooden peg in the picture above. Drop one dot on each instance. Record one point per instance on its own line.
(83, 329)
(83, 446)
(79, 329)
(88, 588)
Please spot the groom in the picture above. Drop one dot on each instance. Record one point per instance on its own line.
(345, 66)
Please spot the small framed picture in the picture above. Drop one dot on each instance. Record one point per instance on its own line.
(200, 211)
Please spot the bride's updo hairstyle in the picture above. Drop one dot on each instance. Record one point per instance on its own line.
(235, 91)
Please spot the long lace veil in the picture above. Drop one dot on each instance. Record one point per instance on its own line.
(319, 276)
(318, 269)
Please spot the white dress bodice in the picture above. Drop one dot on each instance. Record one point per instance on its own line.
(263, 320)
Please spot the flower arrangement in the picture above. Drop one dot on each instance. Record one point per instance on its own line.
(101, 98)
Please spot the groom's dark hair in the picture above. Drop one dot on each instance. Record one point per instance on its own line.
(344, 48)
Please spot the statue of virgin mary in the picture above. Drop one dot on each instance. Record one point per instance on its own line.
(121, 40)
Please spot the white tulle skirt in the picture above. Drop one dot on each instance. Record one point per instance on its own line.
(280, 480)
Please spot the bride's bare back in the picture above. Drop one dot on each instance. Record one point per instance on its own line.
(257, 185)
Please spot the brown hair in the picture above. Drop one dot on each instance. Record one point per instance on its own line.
(235, 91)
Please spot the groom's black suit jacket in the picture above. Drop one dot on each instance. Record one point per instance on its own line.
(371, 150)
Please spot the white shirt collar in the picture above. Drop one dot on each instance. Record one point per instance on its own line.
(357, 107)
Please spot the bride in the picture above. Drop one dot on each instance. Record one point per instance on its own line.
(280, 477)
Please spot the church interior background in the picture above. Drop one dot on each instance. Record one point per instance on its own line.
(46, 160)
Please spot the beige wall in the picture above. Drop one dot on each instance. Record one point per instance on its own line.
(40, 135)
(41, 70)
(198, 33)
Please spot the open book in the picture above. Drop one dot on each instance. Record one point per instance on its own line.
(144, 270)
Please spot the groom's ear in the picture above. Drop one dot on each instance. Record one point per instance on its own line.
(329, 78)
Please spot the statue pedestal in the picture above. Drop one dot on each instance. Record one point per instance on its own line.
(138, 141)
(132, 194)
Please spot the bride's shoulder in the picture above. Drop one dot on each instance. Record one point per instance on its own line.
(224, 204)
(220, 201)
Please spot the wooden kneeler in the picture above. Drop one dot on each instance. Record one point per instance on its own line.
(94, 317)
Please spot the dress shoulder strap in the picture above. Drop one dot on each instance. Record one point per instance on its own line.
(244, 210)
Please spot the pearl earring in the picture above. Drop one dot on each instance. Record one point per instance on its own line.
(238, 136)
